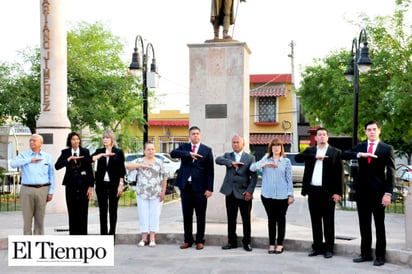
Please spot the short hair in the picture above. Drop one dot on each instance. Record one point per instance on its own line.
(321, 128)
(148, 143)
(69, 138)
(110, 134)
(276, 142)
(372, 122)
(194, 128)
(38, 135)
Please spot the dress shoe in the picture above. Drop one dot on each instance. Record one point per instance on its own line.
(279, 250)
(247, 247)
(185, 245)
(314, 252)
(199, 246)
(229, 246)
(361, 259)
(271, 251)
(328, 254)
(379, 261)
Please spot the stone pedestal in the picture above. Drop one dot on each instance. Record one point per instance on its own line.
(53, 123)
(219, 104)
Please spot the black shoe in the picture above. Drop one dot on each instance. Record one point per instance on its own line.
(247, 247)
(361, 259)
(328, 254)
(314, 252)
(229, 246)
(379, 261)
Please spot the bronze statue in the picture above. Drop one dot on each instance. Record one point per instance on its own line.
(222, 15)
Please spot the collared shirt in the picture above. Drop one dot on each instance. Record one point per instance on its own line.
(318, 169)
(276, 182)
(238, 156)
(76, 151)
(375, 145)
(38, 173)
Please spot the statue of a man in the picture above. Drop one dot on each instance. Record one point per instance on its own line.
(222, 15)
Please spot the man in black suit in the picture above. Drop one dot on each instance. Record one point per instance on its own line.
(78, 180)
(323, 183)
(374, 188)
(238, 187)
(195, 181)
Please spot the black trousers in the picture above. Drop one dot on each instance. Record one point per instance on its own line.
(276, 212)
(322, 216)
(233, 205)
(108, 201)
(77, 209)
(193, 201)
(368, 206)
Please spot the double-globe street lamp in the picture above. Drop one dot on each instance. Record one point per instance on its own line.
(149, 78)
(359, 63)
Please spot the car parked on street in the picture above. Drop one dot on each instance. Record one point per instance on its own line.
(297, 168)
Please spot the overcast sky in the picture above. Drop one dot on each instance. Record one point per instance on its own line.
(317, 27)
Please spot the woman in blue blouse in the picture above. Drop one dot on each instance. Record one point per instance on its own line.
(277, 191)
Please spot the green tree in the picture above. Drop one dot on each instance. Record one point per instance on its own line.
(20, 89)
(385, 92)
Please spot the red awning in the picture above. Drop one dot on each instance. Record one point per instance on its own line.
(176, 123)
(268, 92)
(264, 139)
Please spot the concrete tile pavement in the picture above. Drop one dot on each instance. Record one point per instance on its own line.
(167, 257)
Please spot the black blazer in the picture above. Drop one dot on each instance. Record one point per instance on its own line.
(332, 171)
(115, 167)
(82, 168)
(201, 170)
(237, 180)
(377, 177)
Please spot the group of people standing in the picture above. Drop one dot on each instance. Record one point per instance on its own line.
(38, 183)
(322, 183)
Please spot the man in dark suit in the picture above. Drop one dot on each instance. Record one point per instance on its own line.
(195, 181)
(374, 188)
(238, 187)
(78, 180)
(323, 183)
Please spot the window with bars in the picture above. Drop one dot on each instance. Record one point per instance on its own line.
(266, 109)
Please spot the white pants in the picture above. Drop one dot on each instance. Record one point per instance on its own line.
(149, 214)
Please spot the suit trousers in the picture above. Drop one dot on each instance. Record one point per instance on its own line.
(322, 216)
(33, 204)
(108, 200)
(368, 205)
(77, 208)
(233, 205)
(196, 201)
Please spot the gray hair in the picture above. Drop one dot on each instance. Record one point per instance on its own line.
(110, 134)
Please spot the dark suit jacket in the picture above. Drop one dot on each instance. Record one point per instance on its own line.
(376, 178)
(237, 180)
(115, 167)
(332, 172)
(84, 167)
(201, 170)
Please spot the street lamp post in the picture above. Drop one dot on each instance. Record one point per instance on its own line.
(135, 67)
(359, 63)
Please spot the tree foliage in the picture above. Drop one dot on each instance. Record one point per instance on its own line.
(385, 92)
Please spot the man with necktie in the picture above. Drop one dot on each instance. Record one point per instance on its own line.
(195, 181)
(238, 186)
(374, 189)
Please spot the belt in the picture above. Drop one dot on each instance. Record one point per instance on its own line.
(36, 186)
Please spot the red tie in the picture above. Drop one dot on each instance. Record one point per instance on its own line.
(370, 150)
(194, 148)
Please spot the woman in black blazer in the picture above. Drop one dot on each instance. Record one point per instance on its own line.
(109, 175)
(78, 181)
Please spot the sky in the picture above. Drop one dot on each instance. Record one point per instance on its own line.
(316, 27)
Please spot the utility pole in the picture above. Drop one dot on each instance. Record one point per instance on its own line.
(295, 113)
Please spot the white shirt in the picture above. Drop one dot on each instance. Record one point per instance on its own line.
(318, 169)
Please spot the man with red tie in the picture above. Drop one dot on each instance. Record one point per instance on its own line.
(374, 189)
(195, 181)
